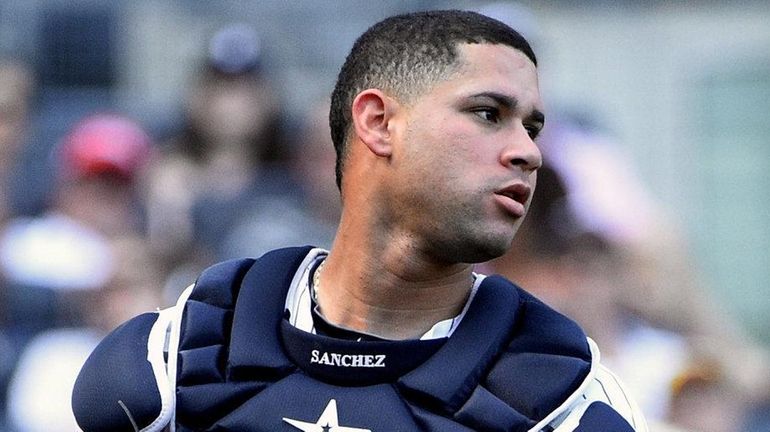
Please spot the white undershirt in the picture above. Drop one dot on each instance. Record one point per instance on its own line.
(299, 304)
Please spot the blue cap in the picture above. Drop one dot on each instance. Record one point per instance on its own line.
(235, 49)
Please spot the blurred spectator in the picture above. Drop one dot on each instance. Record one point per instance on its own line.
(17, 86)
(313, 165)
(100, 162)
(47, 262)
(705, 399)
(96, 166)
(40, 392)
(308, 217)
(230, 150)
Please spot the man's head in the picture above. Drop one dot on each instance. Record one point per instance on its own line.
(405, 55)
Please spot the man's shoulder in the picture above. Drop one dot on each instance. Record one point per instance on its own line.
(608, 389)
(128, 381)
(550, 369)
(602, 404)
(121, 385)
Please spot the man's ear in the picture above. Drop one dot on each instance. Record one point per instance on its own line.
(372, 111)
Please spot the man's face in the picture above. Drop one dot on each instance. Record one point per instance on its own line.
(464, 160)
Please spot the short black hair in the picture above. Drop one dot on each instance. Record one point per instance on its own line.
(404, 54)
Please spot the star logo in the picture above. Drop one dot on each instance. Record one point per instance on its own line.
(326, 423)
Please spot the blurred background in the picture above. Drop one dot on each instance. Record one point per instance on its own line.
(141, 141)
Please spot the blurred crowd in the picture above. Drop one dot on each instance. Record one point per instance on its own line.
(131, 216)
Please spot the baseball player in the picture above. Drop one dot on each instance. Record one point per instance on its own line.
(434, 119)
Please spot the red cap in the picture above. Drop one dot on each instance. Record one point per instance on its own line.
(104, 144)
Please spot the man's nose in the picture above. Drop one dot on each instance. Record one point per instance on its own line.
(521, 151)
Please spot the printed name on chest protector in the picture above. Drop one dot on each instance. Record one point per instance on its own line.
(347, 360)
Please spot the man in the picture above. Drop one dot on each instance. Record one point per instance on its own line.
(433, 119)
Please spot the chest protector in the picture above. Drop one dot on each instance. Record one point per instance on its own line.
(242, 367)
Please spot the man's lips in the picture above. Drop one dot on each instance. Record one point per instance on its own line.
(514, 198)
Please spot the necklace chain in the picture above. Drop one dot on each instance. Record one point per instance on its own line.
(317, 280)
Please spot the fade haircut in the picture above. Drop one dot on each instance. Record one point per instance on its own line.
(404, 55)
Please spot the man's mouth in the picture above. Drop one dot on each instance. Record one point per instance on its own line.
(518, 192)
(513, 199)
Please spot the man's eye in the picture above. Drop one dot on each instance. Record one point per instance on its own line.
(491, 115)
(533, 131)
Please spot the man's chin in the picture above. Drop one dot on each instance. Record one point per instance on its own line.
(473, 245)
(487, 250)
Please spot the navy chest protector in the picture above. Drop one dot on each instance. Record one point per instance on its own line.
(242, 367)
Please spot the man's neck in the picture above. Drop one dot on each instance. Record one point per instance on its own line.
(389, 290)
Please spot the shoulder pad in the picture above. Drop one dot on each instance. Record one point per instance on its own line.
(117, 389)
(546, 361)
(600, 416)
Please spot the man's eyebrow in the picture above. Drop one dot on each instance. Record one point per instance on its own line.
(503, 100)
(510, 102)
